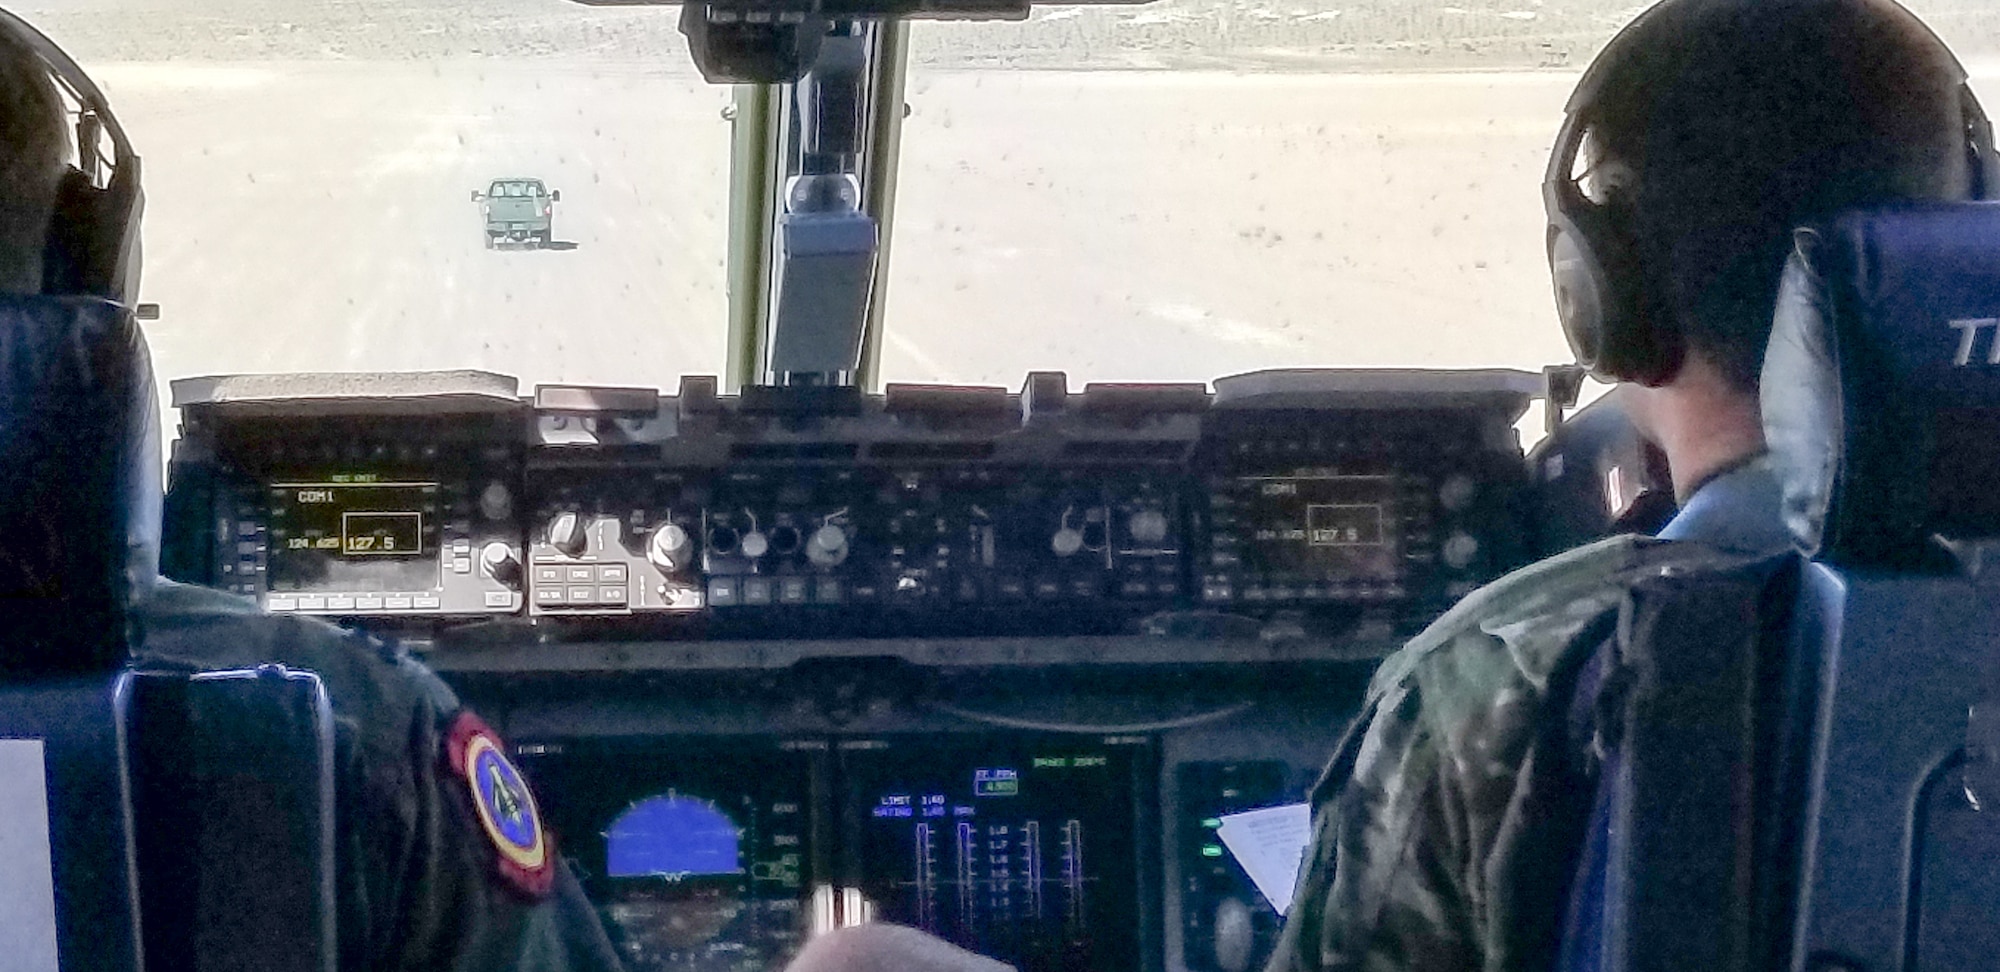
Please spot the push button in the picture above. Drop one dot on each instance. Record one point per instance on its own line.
(722, 591)
(583, 575)
(582, 595)
(548, 574)
(757, 590)
(792, 590)
(611, 595)
(611, 574)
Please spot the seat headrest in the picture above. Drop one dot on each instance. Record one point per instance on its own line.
(80, 490)
(1881, 387)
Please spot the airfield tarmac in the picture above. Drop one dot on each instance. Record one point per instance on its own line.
(1127, 226)
(1139, 225)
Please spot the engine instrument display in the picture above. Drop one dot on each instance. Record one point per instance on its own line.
(1022, 849)
(697, 853)
(353, 536)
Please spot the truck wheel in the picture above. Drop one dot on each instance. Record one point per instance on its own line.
(544, 238)
(492, 241)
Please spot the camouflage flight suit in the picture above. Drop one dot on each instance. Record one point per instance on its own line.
(422, 878)
(1447, 827)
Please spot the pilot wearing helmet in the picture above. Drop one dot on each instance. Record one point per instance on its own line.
(441, 860)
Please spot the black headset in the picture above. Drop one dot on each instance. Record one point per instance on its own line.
(1600, 292)
(93, 246)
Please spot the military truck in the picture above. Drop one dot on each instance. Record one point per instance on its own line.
(517, 211)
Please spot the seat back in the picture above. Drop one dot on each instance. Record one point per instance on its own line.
(75, 399)
(167, 820)
(232, 782)
(1689, 828)
(1882, 403)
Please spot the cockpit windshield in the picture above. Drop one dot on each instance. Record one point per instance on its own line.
(1169, 191)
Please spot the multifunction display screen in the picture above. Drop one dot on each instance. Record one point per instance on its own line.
(1312, 525)
(699, 854)
(353, 536)
(1019, 849)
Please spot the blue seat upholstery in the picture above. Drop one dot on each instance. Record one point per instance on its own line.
(73, 375)
(1882, 403)
(170, 820)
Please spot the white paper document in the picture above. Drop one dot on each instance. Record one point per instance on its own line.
(27, 879)
(1270, 844)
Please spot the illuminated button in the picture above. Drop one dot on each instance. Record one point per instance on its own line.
(548, 574)
(792, 590)
(247, 547)
(246, 529)
(828, 590)
(461, 548)
(312, 602)
(1211, 850)
(548, 595)
(1135, 589)
(1048, 589)
(499, 599)
(1283, 593)
(461, 566)
(757, 590)
(368, 602)
(1218, 592)
(1011, 588)
(582, 575)
(1254, 594)
(340, 602)
(397, 602)
(611, 574)
(427, 602)
(611, 595)
(722, 591)
(1221, 559)
(582, 595)
(281, 604)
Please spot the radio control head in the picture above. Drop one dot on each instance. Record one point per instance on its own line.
(669, 548)
(828, 546)
(566, 533)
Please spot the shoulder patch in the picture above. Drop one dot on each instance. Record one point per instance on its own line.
(505, 807)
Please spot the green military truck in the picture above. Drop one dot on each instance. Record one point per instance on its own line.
(517, 211)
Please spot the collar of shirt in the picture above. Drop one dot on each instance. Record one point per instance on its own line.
(1736, 510)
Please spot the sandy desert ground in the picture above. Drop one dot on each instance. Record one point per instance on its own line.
(1128, 225)
(1123, 226)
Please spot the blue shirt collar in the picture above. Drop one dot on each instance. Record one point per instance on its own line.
(1738, 510)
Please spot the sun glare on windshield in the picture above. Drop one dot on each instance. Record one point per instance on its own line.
(1173, 191)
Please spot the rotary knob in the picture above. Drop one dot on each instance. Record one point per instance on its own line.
(496, 502)
(828, 546)
(1147, 526)
(497, 560)
(755, 544)
(1066, 542)
(567, 534)
(1460, 551)
(1457, 492)
(669, 548)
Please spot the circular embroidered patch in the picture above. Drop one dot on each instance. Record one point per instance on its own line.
(504, 805)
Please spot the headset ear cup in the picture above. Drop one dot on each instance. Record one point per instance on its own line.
(1599, 295)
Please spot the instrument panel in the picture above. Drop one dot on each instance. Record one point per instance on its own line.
(1328, 502)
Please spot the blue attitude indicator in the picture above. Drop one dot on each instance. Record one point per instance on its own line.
(672, 836)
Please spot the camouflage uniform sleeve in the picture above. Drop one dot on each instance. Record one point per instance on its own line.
(486, 887)
(1383, 886)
